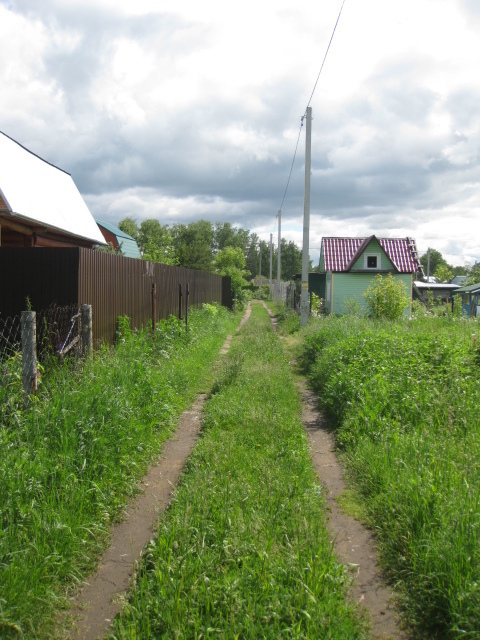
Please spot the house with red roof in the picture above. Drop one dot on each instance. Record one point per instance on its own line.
(350, 265)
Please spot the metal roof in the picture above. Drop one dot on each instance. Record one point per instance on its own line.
(470, 288)
(446, 286)
(128, 245)
(339, 254)
(36, 191)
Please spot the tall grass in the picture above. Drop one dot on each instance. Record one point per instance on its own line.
(404, 399)
(243, 552)
(69, 464)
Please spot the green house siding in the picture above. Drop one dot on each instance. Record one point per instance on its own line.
(373, 248)
(328, 292)
(352, 286)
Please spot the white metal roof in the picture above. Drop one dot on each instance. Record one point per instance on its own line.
(37, 191)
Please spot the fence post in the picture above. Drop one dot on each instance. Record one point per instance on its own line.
(179, 301)
(87, 340)
(187, 293)
(29, 354)
(154, 308)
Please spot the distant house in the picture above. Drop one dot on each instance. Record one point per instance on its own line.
(350, 265)
(119, 239)
(40, 206)
(470, 299)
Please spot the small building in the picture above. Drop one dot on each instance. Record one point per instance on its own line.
(350, 265)
(470, 299)
(120, 240)
(424, 291)
(40, 206)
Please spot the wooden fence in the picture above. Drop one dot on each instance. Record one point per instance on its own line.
(113, 285)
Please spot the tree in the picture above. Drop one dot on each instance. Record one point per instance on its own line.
(443, 273)
(474, 274)
(227, 236)
(155, 242)
(129, 226)
(193, 245)
(386, 298)
(230, 261)
(436, 260)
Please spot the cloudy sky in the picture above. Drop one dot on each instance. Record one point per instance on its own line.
(186, 110)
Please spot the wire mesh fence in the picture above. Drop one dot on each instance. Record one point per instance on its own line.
(24, 340)
(10, 337)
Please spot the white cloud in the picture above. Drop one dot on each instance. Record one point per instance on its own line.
(187, 109)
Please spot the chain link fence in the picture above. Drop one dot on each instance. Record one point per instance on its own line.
(55, 332)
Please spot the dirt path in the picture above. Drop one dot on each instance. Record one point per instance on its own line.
(101, 597)
(354, 543)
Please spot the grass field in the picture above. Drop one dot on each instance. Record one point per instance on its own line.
(243, 552)
(71, 461)
(404, 400)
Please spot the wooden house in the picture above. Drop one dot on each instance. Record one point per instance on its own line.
(119, 240)
(470, 299)
(350, 265)
(40, 206)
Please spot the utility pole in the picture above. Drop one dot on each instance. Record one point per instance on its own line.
(279, 216)
(428, 264)
(271, 254)
(260, 271)
(304, 298)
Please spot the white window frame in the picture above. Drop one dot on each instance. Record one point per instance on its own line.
(366, 256)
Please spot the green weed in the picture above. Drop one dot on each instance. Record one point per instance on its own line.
(243, 552)
(404, 400)
(70, 463)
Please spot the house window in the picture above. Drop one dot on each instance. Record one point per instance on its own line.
(372, 261)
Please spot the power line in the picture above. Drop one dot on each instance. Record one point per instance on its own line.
(309, 101)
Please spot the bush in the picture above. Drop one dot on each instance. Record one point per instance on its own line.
(386, 298)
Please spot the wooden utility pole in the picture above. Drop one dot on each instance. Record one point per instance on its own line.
(304, 297)
(271, 254)
(279, 216)
(260, 271)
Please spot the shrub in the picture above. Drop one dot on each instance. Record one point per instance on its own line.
(386, 298)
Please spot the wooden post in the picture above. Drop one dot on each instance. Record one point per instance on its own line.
(154, 308)
(179, 301)
(187, 292)
(29, 354)
(87, 338)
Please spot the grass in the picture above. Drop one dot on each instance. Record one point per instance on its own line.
(243, 551)
(404, 398)
(70, 463)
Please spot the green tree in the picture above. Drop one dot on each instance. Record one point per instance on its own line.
(386, 298)
(129, 226)
(155, 241)
(225, 235)
(436, 260)
(443, 273)
(230, 261)
(474, 274)
(193, 245)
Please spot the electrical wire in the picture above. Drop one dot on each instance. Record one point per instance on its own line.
(309, 101)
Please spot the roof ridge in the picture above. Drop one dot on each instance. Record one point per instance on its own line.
(35, 154)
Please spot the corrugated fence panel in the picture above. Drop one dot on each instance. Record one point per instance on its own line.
(113, 285)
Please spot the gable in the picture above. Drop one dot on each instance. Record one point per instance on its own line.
(342, 254)
(36, 192)
(371, 257)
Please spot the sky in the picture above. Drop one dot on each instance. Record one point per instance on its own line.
(191, 110)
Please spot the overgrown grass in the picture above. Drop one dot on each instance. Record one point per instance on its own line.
(404, 399)
(242, 552)
(69, 464)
